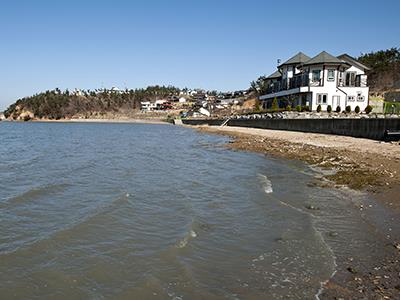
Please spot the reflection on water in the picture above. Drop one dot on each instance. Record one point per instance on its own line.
(128, 211)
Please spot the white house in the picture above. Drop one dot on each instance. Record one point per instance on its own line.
(145, 105)
(322, 80)
(159, 104)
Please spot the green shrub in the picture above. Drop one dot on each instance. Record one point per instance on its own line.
(338, 109)
(348, 108)
(289, 108)
(319, 108)
(357, 109)
(275, 105)
(329, 109)
(391, 107)
(298, 108)
(305, 108)
(368, 109)
(257, 106)
(170, 119)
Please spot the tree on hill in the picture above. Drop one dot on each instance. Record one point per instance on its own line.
(380, 60)
(259, 86)
(385, 69)
(58, 104)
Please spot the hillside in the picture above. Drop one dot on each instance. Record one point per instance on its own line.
(57, 104)
(385, 80)
(384, 76)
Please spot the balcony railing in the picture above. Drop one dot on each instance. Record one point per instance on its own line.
(358, 81)
(303, 80)
(295, 82)
(299, 81)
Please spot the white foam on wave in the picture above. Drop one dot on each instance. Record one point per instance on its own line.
(266, 183)
(323, 283)
(191, 235)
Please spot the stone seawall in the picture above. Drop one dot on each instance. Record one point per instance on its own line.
(363, 128)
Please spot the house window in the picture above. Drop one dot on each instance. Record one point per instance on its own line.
(350, 78)
(351, 98)
(358, 80)
(360, 97)
(331, 75)
(322, 98)
(340, 78)
(316, 75)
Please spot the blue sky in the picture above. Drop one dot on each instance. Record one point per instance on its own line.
(207, 44)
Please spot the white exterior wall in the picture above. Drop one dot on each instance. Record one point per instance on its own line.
(341, 94)
(355, 69)
(328, 87)
(354, 91)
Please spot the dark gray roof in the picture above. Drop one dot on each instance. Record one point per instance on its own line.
(274, 75)
(324, 58)
(299, 58)
(352, 61)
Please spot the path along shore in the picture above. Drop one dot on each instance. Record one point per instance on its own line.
(361, 164)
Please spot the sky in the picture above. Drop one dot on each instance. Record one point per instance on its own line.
(210, 44)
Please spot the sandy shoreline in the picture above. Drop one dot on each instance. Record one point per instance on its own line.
(361, 164)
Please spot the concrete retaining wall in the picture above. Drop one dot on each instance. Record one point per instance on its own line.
(365, 128)
(213, 122)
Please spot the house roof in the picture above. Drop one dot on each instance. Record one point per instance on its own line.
(324, 58)
(274, 75)
(299, 58)
(352, 61)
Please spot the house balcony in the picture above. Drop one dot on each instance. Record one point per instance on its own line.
(358, 81)
(301, 80)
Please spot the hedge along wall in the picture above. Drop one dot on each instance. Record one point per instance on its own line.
(364, 128)
(391, 107)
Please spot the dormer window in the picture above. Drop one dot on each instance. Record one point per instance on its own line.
(331, 75)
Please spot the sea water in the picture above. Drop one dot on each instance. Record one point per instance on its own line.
(131, 211)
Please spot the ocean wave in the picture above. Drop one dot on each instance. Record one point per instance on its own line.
(76, 228)
(266, 183)
(36, 193)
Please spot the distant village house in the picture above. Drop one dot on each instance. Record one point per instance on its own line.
(157, 105)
